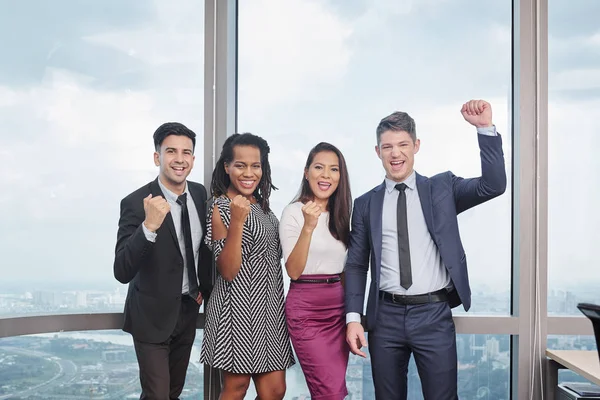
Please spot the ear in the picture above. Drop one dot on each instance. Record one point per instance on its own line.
(377, 151)
(417, 146)
(226, 166)
(306, 174)
(156, 159)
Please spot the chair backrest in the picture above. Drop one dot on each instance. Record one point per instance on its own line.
(592, 311)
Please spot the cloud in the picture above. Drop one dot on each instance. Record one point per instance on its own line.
(573, 214)
(391, 66)
(78, 138)
(83, 100)
(288, 51)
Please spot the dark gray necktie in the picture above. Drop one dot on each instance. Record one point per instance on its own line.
(189, 248)
(403, 248)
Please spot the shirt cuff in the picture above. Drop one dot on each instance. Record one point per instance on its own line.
(488, 131)
(150, 236)
(352, 317)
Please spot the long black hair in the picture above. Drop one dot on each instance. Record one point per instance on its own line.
(220, 179)
(340, 202)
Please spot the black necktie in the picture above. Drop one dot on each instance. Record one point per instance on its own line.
(189, 248)
(403, 248)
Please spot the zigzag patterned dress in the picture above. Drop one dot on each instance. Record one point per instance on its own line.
(245, 331)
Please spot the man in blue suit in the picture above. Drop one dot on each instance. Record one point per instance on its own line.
(407, 229)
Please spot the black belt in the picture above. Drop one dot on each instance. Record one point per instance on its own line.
(187, 297)
(432, 297)
(328, 280)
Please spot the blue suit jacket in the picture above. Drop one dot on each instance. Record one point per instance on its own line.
(443, 197)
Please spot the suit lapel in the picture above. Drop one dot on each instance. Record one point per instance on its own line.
(169, 218)
(375, 215)
(424, 189)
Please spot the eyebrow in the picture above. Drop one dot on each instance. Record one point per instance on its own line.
(392, 143)
(325, 165)
(174, 148)
(243, 162)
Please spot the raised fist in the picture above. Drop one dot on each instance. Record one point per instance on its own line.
(156, 209)
(240, 208)
(478, 113)
(311, 212)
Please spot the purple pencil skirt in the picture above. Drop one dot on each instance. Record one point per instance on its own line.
(317, 326)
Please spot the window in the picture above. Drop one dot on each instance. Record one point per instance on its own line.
(359, 62)
(573, 165)
(483, 372)
(312, 71)
(83, 86)
(80, 365)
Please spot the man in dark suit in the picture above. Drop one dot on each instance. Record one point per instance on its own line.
(407, 229)
(161, 253)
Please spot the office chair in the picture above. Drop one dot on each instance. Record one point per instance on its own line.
(592, 311)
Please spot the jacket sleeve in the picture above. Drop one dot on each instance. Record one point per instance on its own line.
(357, 262)
(492, 182)
(132, 246)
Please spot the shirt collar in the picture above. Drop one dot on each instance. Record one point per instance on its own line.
(410, 182)
(169, 195)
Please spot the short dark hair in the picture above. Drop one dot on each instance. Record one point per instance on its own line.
(397, 121)
(220, 180)
(172, 128)
(340, 202)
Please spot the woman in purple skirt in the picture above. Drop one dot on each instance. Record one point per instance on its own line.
(314, 232)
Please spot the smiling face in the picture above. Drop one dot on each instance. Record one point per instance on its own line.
(244, 170)
(176, 160)
(397, 153)
(323, 175)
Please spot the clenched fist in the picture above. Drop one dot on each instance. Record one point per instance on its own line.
(311, 212)
(240, 208)
(478, 113)
(156, 209)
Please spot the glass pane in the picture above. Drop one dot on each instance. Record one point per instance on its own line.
(483, 373)
(83, 86)
(80, 365)
(336, 67)
(573, 164)
(571, 342)
(360, 61)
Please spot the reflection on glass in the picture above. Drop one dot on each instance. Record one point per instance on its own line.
(83, 86)
(573, 163)
(80, 365)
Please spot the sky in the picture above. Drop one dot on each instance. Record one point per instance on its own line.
(84, 85)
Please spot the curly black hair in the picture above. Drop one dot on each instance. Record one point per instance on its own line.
(220, 179)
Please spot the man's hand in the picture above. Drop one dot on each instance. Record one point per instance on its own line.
(355, 337)
(199, 299)
(156, 209)
(478, 113)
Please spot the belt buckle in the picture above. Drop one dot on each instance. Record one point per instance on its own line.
(398, 298)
